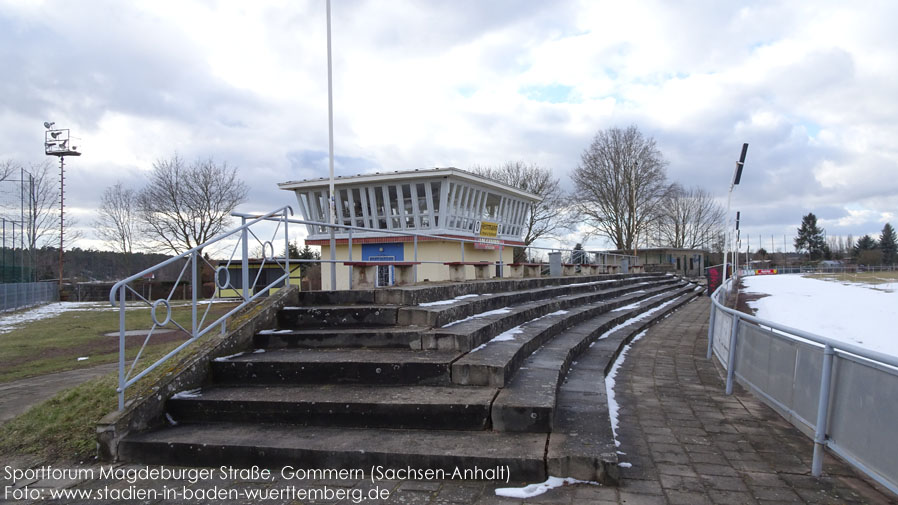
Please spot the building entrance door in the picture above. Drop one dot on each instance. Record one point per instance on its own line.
(384, 272)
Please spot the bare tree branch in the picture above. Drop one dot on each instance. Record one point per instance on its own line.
(116, 222)
(546, 216)
(184, 206)
(690, 218)
(620, 185)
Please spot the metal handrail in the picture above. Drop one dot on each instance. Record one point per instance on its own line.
(118, 295)
(830, 349)
(416, 234)
(813, 337)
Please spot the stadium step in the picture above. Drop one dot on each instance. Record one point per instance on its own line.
(357, 406)
(347, 383)
(335, 366)
(518, 455)
(387, 336)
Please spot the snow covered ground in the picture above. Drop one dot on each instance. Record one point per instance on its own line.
(11, 320)
(855, 313)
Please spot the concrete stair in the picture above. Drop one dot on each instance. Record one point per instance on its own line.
(456, 379)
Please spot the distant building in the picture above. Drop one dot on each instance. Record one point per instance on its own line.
(261, 274)
(686, 262)
(445, 202)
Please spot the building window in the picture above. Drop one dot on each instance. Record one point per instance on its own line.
(408, 206)
(379, 209)
(491, 209)
(393, 202)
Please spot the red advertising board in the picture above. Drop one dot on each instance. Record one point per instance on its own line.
(765, 271)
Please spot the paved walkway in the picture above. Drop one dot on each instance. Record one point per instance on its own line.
(18, 396)
(687, 443)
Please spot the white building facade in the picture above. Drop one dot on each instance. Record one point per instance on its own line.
(443, 202)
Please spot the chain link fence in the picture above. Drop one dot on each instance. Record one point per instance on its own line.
(24, 294)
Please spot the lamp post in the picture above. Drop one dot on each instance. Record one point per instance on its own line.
(737, 177)
(330, 143)
(57, 142)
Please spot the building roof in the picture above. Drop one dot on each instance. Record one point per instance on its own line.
(425, 173)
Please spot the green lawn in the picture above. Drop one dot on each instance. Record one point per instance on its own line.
(64, 427)
(54, 344)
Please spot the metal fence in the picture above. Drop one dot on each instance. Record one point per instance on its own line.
(842, 395)
(25, 294)
(192, 263)
(248, 283)
(850, 269)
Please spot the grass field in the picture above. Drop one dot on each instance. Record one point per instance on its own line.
(55, 343)
(64, 427)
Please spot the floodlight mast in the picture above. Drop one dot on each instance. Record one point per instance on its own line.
(737, 178)
(57, 142)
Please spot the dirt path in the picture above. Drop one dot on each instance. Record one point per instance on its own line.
(18, 396)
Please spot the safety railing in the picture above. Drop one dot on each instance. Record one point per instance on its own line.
(579, 256)
(250, 285)
(845, 396)
(194, 324)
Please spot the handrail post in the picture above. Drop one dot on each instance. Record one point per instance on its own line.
(350, 257)
(121, 347)
(711, 327)
(822, 411)
(244, 266)
(286, 249)
(195, 291)
(731, 360)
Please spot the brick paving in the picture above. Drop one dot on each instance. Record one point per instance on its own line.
(687, 442)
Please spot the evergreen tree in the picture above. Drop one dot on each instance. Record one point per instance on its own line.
(888, 245)
(865, 243)
(810, 238)
(307, 254)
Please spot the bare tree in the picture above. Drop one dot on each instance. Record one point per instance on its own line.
(184, 206)
(43, 228)
(547, 215)
(689, 218)
(620, 185)
(7, 169)
(116, 222)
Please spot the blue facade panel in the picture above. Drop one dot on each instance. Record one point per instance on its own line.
(396, 250)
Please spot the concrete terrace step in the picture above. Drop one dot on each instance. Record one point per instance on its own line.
(425, 293)
(527, 403)
(273, 446)
(496, 361)
(468, 333)
(359, 406)
(582, 442)
(387, 336)
(343, 316)
(336, 366)
(448, 309)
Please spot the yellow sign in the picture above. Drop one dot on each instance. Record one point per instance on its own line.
(488, 229)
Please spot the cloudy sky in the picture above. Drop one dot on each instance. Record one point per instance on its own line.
(811, 86)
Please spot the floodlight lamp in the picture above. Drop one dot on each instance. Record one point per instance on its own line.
(738, 176)
(49, 124)
(55, 134)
